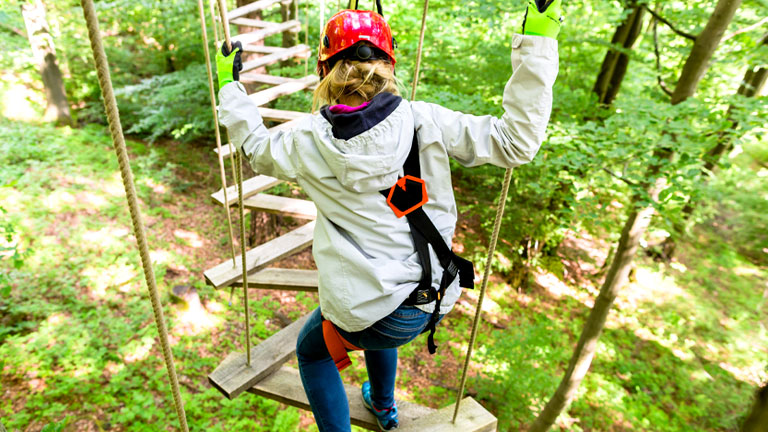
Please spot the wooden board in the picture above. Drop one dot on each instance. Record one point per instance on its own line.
(285, 386)
(227, 149)
(259, 78)
(472, 417)
(270, 94)
(251, 187)
(300, 50)
(253, 7)
(225, 274)
(263, 49)
(261, 34)
(250, 22)
(280, 115)
(298, 208)
(233, 376)
(282, 279)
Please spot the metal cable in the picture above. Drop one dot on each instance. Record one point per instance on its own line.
(239, 180)
(116, 129)
(486, 274)
(216, 125)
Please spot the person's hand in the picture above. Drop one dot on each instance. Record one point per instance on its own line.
(543, 18)
(228, 63)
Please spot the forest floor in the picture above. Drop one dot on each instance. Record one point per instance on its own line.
(683, 349)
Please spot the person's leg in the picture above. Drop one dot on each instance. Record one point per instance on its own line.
(382, 371)
(321, 379)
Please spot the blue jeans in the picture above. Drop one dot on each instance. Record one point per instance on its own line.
(322, 381)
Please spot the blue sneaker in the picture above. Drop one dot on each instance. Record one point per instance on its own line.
(387, 418)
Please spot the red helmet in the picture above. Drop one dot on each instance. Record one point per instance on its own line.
(350, 27)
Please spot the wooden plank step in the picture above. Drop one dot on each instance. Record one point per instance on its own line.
(280, 115)
(259, 78)
(261, 34)
(285, 386)
(253, 7)
(227, 149)
(282, 279)
(251, 187)
(263, 49)
(472, 417)
(298, 208)
(270, 94)
(250, 22)
(233, 376)
(300, 50)
(225, 274)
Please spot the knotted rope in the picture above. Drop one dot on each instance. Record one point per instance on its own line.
(116, 129)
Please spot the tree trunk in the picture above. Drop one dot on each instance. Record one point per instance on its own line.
(289, 11)
(636, 225)
(241, 29)
(706, 43)
(42, 46)
(757, 420)
(615, 63)
(751, 85)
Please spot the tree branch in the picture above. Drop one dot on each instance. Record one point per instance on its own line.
(629, 182)
(661, 82)
(746, 29)
(669, 24)
(13, 30)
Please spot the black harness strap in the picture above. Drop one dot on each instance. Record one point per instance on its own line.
(425, 233)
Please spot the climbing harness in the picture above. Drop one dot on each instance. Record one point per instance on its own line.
(407, 198)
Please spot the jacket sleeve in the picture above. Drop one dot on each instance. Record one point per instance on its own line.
(269, 154)
(515, 138)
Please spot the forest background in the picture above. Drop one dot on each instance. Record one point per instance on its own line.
(642, 142)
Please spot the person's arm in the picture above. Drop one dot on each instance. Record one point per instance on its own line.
(515, 138)
(268, 154)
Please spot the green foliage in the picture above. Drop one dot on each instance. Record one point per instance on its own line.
(175, 104)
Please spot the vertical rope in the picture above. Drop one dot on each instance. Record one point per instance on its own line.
(418, 52)
(217, 42)
(306, 37)
(239, 180)
(486, 274)
(116, 129)
(216, 125)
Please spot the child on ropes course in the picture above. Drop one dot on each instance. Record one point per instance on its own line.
(367, 158)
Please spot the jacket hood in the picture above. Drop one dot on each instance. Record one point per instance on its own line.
(366, 149)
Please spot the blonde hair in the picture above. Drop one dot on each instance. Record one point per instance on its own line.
(350, 78)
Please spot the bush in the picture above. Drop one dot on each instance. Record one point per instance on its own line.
(176, 104)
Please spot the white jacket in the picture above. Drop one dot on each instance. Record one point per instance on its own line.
(364, 254)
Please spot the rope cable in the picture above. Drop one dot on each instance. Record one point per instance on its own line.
(118, 140)
(486, 274)
(239, 180)
(217, 45)
(216, 125)
(418, 52)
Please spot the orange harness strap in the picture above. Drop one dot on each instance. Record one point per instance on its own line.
(337, 345)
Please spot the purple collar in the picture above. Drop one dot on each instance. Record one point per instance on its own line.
(348, 122)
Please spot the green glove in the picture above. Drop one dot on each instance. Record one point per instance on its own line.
(543, 18)
(229, 64)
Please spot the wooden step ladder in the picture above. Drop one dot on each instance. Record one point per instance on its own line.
(267, 376)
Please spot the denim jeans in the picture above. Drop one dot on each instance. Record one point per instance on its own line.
(322, 381)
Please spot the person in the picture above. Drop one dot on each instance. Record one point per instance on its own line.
(349, 153)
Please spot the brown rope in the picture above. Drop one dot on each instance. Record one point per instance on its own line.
(418, 52)
(216, 125)
(486, 274)
(116, 129)
(239, 180)
(217, 45)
